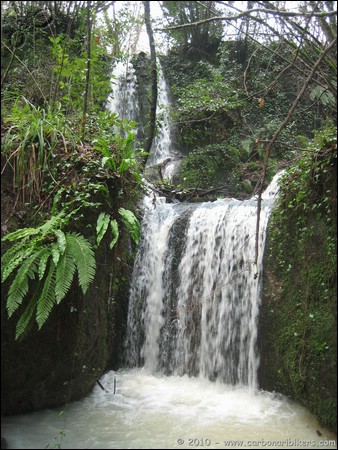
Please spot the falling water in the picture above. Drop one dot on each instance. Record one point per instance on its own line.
(195, 292)
(193, 311)
(124, 100)
(162, 148)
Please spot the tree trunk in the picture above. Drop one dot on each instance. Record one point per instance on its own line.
(153, 101)
(85, 100)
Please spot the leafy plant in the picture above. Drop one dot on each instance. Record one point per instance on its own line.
(70, 72)
(50, 257)
(130, 221)
(211, 165)
(103, 222)
(115, 140)
(32, 136)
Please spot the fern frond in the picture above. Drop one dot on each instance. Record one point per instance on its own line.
(15, 255)
(19, 234)
(61, 241)
(26, 318)
(55, 253)
(81, 251)
(64, 275)
(19, 286)
(52, 224)
(43, 261)
(47, 299)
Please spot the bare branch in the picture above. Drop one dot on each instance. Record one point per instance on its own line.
(249, 13)
(276, 134)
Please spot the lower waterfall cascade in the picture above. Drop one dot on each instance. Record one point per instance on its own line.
(191, 359)
(195, 293)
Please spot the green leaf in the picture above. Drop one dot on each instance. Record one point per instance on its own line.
(55, 253)
(19, 286)
(19, 234)
(102, 226)
(132, 223)
(115, 232)
(61, 241)
(26, 318)
(43, 262)
(52, 224)
(15, 255)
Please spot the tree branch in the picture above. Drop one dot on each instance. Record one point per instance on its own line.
(276, 134)
(248, 13)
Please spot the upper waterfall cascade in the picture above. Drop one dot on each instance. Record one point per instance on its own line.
(124, 101)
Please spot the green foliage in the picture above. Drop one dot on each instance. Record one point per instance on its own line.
(129, 219)
(212, 165)
(103, 221)
(201, 104)
(49, 257)
(302, 255)
(322, 94)
(29, 142)
(115, 140)
(70, 73)
(132, 223)
(307, 189)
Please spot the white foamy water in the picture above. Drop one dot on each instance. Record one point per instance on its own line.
(160, 412)
(195, 292)
(123, 101)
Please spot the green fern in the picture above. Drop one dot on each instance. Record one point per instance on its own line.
(64, 275)
(50, 257)
(20, 285)
(83, 256)
(27, 317)
(47, 298)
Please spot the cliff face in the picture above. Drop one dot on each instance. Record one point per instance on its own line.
(297, 329)
(82, 338)
(80, 341)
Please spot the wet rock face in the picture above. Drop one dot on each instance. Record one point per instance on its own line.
(80, 341)
(297, 325)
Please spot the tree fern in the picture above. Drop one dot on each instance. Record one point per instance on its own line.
(83, 256)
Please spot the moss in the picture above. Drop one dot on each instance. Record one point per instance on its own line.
(299, 311)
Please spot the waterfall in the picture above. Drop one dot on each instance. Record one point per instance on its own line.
(195, 292)
(123, 100)
(125, 103)
(162, 147)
